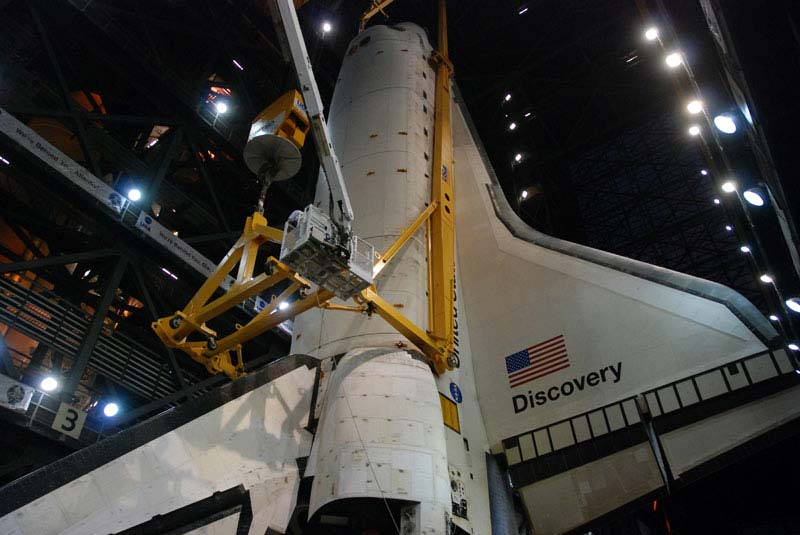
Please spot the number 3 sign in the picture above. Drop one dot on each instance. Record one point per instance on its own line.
(69, 420)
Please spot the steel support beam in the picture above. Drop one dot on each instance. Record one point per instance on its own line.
(95, 117)
(207, 179)
(96, 325)
(180, 383)
(6, 363)
(68, 100)
(225, 237)
(163, 166)
(30, 265)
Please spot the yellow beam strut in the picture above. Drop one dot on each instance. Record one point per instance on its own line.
(376, 7)
(441, 227)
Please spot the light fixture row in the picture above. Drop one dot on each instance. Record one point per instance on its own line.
(726, 124)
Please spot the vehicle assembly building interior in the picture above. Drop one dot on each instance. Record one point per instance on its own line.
(414, 267)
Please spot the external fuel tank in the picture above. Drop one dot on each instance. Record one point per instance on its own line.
(381, 123)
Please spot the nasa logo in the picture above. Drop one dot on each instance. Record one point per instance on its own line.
(115, 200)
(456, 392)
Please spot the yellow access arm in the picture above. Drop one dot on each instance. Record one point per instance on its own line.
(223, 353)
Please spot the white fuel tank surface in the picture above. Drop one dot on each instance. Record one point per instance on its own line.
(381, 122)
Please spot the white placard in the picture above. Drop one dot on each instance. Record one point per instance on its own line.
(60, 162)
(69, 420)
(164, 237)
(14, 395)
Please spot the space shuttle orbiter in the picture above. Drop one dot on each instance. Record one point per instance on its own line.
(586, 380)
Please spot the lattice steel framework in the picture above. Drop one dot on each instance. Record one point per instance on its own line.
(643, 195)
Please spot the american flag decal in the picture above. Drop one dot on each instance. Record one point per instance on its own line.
(537, 361)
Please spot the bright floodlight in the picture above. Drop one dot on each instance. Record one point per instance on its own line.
(512, 126)
(729, 187)
(793, 303)
(717, 201)
(725, 123)
(794, 347)
(674, 60)
(221, 107)
(507, 97)
(694, 130)
(744, 249)
(651, 34)
(48, 384)
(754, 197)
(283, 306)
(773, 317)
(326, 27)
(111, 409)
(695, 106)
(134, 194)
(518, 157)
(704, 172)
(728, 228)
(766, 279)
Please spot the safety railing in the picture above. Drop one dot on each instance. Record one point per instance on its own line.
(571, 431)
(717, 381)
(673, 396)
(42, 412)
(53, 321)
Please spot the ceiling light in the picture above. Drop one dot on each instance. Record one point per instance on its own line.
(651, 34)
(4, 161)
(518, 157)
(695, 106)
(238, 65)
(694, 130)
(221, 107)
(512, 126)
(507, 97)
(524, 194)
(744, 249)
(773, 317)
(717, 201)
(766, 279)
(725, 123)
(48, 384)
(111, 409)
(284, 305)
(728, 228)
(326, 27)
(728, 187)
(527, 114)
(674, 60)
(794, 347)
(86, 273)
(704, 172)
(168, 272)
(793, 303)
(134, 194)
(522, 11)
(754, 196)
